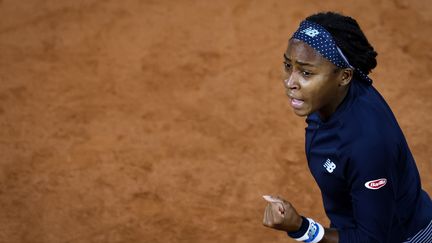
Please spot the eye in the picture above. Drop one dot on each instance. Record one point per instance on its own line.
(306, 73)
(287, 65)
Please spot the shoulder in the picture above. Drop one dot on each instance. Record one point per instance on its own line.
(369, 131)
(369, 120)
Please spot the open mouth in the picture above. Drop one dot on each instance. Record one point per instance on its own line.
(296, 103)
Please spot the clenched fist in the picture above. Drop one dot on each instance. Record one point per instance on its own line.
(281, 215)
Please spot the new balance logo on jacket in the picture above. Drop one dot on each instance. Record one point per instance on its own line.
(329, 165)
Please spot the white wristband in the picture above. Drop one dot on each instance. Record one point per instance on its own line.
(314, 234)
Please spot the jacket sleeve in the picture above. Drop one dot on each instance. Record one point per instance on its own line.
(373, 185)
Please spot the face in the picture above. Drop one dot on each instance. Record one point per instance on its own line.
(312, 82)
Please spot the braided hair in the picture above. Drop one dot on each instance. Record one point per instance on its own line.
(349, 38)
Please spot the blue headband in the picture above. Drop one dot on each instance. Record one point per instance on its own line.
(322, 41)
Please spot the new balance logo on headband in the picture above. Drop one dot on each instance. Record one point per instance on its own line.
(310, 32)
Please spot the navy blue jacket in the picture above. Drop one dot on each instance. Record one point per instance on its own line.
(368, 178)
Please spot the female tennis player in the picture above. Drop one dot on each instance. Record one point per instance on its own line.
(355, 148)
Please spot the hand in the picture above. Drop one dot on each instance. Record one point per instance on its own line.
(281, 215)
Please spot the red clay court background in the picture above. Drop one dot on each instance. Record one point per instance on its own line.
(165, 121)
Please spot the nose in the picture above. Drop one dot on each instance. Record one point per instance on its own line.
(291, 82)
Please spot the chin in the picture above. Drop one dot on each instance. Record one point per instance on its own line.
(301, 113)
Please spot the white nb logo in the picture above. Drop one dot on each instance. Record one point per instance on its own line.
(329, 165)
(310, 32)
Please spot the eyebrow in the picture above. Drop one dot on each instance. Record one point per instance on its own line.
(299, 62)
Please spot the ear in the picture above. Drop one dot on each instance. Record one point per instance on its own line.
(346, 75)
